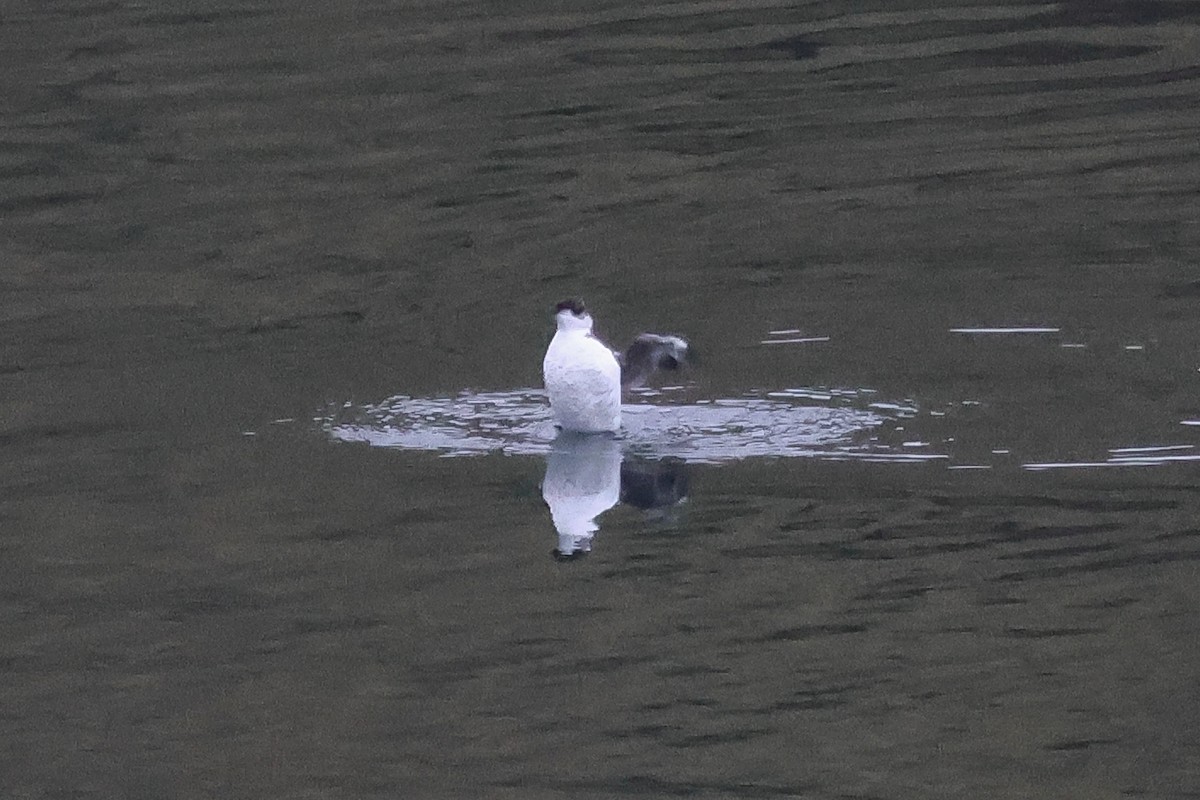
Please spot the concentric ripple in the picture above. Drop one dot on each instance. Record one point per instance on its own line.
(783, 425)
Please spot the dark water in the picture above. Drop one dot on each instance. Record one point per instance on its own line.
(913, 560)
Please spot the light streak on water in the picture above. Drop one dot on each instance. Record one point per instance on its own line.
(803, 340)
(1005, 330)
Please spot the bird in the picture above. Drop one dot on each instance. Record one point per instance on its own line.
(584, 377)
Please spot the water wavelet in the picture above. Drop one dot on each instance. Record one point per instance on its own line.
(1147, 456)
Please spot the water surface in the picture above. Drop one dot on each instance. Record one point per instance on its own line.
(923, 524)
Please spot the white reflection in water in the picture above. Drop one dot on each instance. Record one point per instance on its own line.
(583, 480)
(793, 336)
(1151, 456)
(783, 425)
(797, 340)
(587, 475)
(1002, 331)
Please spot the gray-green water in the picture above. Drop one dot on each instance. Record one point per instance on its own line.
(914, 560)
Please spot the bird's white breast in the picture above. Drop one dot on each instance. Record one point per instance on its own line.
(583, 380)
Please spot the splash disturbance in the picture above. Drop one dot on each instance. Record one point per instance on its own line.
(518, 423)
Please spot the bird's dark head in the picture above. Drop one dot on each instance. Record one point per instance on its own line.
(571, 315)
(574, 305)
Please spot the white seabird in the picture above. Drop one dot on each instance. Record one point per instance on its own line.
(584, 377)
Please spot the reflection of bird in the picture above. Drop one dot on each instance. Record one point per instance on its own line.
(654, 484)
(586, 476)
(584, 377)
(583, 480)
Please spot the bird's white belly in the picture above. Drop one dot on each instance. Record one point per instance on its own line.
(583, 381)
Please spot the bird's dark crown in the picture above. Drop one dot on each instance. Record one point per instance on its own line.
(574, 305)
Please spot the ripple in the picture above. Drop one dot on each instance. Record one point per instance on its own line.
(784, 424)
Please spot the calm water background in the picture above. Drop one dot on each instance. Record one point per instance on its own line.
(219, 215)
